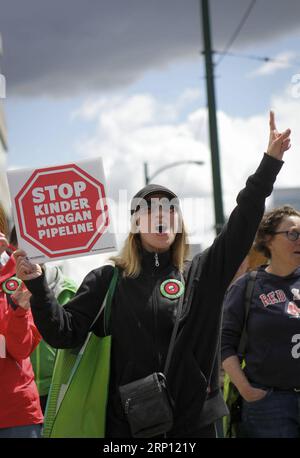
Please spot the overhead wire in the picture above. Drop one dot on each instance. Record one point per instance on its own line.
(234, 36)
(258, 58)
(236, 32)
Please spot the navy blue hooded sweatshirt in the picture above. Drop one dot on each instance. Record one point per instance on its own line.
(272, 352)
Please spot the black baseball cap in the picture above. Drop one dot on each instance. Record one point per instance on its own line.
(147, 191)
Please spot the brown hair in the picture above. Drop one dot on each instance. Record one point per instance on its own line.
(268, 226)
(255, 259)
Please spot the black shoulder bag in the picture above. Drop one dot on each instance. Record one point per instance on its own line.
(146, 402)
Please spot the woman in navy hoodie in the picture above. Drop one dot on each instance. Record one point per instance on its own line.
(270, 382)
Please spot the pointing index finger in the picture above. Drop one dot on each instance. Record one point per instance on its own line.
(272, 121)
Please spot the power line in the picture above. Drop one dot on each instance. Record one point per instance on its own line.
(236, 32)
(259, 58)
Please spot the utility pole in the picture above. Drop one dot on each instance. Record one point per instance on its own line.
(213, 130)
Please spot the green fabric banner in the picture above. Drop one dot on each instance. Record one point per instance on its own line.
(78, 395)
(78, 409)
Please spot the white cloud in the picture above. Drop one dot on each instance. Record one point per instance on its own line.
(138, 129)
(279, 62)
(188, 96)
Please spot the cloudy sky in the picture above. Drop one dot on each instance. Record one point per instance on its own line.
(124, 79)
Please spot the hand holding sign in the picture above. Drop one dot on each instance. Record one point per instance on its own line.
(61, 211)
(25, 270)
(21, 297)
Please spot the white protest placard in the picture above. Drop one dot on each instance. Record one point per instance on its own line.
(62, 211)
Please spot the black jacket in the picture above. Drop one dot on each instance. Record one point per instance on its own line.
(142, 319)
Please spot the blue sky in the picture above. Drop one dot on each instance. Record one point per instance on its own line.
(42, 127)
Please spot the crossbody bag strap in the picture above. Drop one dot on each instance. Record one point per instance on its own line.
(106, 304)
(108, 301)
(106, 308)
(248, 298)
(174, 332)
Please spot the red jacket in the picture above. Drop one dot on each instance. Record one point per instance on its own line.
(19, 398)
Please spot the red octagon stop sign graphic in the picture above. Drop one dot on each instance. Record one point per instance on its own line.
(62, 210)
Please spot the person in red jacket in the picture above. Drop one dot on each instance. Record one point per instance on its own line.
(20, 411)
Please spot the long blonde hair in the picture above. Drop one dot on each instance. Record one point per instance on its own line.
(129, 259)
(3, 221)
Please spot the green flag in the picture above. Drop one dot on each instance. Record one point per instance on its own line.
(78, 394)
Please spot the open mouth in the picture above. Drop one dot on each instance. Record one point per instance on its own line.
(161, 228)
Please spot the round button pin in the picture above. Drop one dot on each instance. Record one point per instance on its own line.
(172, 288)
(10, 285)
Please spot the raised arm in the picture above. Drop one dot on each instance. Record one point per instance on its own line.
(279, 143)
(233, 243)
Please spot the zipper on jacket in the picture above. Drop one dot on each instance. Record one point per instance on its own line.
(156, 346)
(127, 404)
(155, 310)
